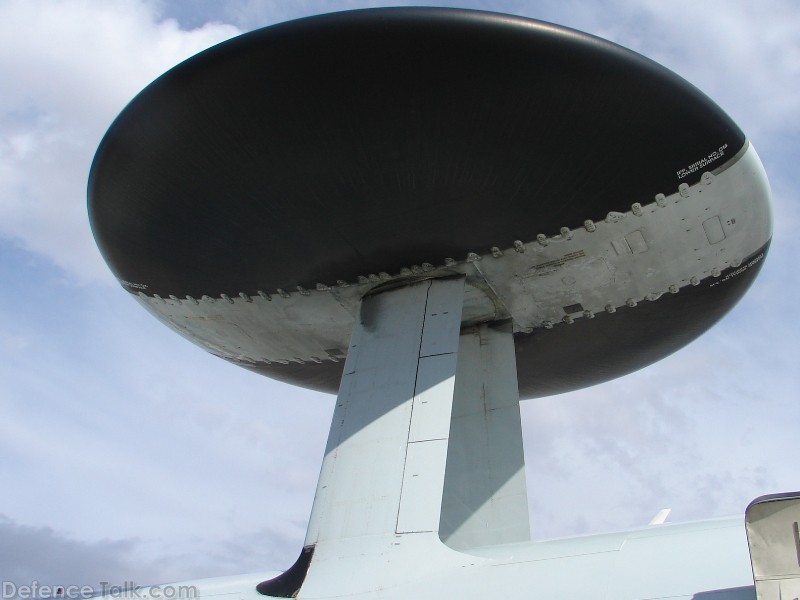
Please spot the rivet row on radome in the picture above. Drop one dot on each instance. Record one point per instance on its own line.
(519, 246)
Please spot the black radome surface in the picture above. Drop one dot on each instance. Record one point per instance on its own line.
(351, 143)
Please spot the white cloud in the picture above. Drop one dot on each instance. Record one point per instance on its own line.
(42, 556)
(67, 69)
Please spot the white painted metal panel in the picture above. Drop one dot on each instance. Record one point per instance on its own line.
(443, 317)
(485, 497)
(422, 487)
(361, 478)
(360, 486)
(773, 535)
(714, 231)
(433, 400)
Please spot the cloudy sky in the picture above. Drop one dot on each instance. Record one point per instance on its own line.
(126, 453)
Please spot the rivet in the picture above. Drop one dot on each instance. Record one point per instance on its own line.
(519, 246)
(715, 272)
(548, 324)
(264, 295)
(683, 190)
(303, 291)
(427, 267)
(695, 280)
(142, 295)
(405, 272)
(661, 200)
(673, 289)
(707, 178)
(342, 283)
(565, 232)
(589, 225)
(652, 296)
(316, 360)
(630, 302)
(245, 297)
(636, 209)
(384, 276)
(283, 293)
(157, 297)
(496, 252)
(736, 262)
(282, 361)
(568, 320)
(192, 299)
(226, 297)
(542, 239)
(299, 361)
(362, 279)
(321, 287)
(416, 269)
(588, 314)
(610, 309)
(449, 262)
(472, 257)
(207, 298)
(374, 278)
(173, 297)
(614, 217)
(265, 361)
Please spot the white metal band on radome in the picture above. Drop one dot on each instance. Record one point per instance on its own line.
(658, 247)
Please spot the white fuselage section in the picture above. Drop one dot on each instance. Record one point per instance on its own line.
(697, 561)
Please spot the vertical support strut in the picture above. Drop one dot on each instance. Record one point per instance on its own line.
(485, 495)
(384, 465)
(425, 446)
